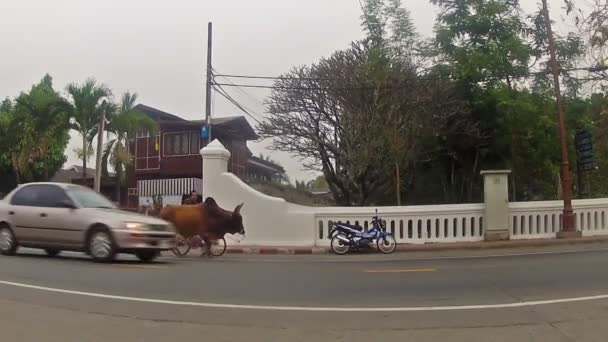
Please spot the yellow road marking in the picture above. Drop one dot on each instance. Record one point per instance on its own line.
(402, 271)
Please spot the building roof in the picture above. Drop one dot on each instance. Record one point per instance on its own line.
(228, 124)
(73, 172)
(257, 161)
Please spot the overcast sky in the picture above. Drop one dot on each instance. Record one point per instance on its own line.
(158, 48)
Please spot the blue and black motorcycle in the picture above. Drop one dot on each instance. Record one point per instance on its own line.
(346, 237)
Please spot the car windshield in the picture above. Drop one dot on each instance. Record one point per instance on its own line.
(87, 198)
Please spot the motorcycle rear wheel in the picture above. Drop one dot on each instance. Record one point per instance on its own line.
(338, 246)
(387, 244)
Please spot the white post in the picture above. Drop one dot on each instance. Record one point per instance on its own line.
(496, 199)
(215, 162)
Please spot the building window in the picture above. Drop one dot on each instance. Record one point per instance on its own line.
(132, 192)
(181, 143)
(176, 144)
(143, 134)
(147, 155)
(194, 142)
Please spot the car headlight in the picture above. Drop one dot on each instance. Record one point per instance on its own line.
(136, 226)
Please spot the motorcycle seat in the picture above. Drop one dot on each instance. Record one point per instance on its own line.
(352, 226)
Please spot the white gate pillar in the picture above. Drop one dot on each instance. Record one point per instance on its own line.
(496, 200)
(215, 163)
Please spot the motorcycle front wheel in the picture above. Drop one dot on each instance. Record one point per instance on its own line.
(338, 246)
(387, 244)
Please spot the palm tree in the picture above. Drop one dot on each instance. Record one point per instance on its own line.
(80, 154)
(87, 107)
(123, 124)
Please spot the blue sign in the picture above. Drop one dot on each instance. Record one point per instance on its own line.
(205, 132)
(584, 147)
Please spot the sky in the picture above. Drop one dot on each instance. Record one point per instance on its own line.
(158, 48)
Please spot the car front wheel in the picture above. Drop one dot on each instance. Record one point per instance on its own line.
(147, 256)
(101, 246)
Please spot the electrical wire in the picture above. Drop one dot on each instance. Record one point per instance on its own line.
(221, 91)
(528, 75)
(257, 101)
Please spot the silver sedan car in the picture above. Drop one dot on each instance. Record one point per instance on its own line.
(58, 216)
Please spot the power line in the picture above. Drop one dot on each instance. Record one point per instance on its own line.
(218, 88)
(527, 75)
(284, 88)
(279, 77)
(257, 101)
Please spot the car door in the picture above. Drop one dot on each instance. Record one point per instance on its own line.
(59, 214)
(24, 209)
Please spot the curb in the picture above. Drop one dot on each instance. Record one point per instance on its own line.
(428, 247)
(277, 250)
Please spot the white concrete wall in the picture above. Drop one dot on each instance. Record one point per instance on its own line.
(268, 220)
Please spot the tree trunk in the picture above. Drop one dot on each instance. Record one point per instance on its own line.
(46, 173)
(452, 181)
(84, 158)
(118, 183)
(472, 182)
(17, 176)
(579, 181)
(398, 184)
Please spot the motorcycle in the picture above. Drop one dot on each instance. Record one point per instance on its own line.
(346, 237)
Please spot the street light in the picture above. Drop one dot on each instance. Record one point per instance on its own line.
(568, 227)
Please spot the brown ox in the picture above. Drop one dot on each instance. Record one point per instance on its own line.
(206, 219)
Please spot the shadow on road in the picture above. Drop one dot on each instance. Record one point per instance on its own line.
(83, 258)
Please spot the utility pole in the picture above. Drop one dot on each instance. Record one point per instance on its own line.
(568, 227)
(209, 78)
(102, 121)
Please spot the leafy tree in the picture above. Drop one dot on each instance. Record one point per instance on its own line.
(87, 101)
(389, 26)
(34, 132)
(6, 169)
(124, 122)
(490, 49)
(318, 183)
(47, 117)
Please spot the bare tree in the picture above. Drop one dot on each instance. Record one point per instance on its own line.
(359, 116)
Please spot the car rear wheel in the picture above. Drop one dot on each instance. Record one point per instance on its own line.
(52, 252)
(8, 242)
(147, 256)
(101, 246)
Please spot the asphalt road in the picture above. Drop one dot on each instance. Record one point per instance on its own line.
(453, 296)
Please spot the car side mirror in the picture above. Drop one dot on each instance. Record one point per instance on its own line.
(66, 203)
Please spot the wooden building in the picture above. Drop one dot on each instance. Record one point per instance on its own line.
(169, 163)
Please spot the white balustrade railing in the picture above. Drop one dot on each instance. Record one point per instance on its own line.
(540, 220)
(414, 224)
(464, 222)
